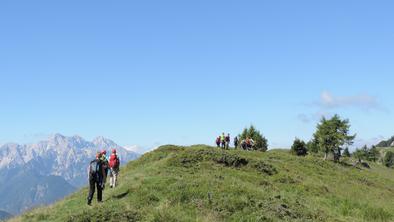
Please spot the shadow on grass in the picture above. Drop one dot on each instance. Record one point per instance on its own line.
(122, 195)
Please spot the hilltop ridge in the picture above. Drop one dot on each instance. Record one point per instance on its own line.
(201, 183)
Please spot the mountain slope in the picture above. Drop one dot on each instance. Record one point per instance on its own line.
(43, 172)
(201, 183)
(4, 215)
(26, 190)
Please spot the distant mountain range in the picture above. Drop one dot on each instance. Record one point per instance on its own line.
(41, 173)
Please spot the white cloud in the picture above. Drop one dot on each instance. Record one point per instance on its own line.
(361, 101)
(328, 104)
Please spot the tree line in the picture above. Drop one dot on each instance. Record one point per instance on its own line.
(332, 138)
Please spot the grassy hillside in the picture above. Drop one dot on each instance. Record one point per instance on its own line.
(201, 183)
(383, 150)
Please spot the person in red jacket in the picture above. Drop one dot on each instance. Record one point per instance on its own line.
(114, 164)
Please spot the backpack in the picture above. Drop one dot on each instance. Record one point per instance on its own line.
(94, 169)
(114, 161)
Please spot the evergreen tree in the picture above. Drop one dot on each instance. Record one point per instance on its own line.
(260, 142)
(332, 134)
(312, 146)
(346, 152)
(373, 154)
(359, 155)
(299, 148)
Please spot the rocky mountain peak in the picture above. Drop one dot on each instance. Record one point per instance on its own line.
(104, 142)
(57, 139)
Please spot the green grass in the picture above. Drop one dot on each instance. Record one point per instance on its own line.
(202, 183)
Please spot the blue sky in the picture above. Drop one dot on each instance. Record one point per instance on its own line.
(158, 72)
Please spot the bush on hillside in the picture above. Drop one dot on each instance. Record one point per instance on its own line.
(359, 155)
(312, 146)
(373, 154)
(367, 154)
(388, 160)
(260, 142)
(299, 148)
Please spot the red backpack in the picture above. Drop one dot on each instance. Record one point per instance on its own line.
(114, 161)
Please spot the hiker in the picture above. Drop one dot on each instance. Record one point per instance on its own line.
(227, 141)
(218, 141)
(96, 175)
(104, 160)
(236, 142)
(114, 164)
(243, 144)
(249, 143)
(223, 141)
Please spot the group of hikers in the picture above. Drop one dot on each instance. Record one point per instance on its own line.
(223, 142)
(97, 173)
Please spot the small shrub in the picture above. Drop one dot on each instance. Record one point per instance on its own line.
(265, 168)
(231, 160)
(388, 160)
(299, 148)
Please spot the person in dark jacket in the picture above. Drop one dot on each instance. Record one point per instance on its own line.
(236, 141)
(96, 174)
(227, 146)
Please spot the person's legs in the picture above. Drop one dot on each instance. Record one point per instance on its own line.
(99, 192)
(105, 176)
(111, 178)
(92, 184)
(115, 176)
